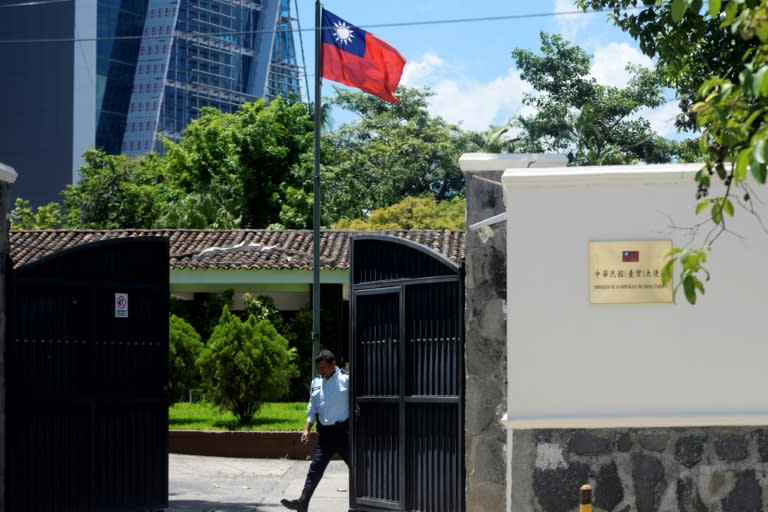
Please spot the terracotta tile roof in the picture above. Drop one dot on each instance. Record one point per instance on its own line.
(241, 249)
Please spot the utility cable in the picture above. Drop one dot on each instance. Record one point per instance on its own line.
(483, 19)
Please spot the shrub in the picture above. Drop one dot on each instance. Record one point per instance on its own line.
(297, 330)
(184, 347)
(299, 333)
(263, 308)
(245, 364)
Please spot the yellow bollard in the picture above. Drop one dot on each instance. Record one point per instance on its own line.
(585, 498)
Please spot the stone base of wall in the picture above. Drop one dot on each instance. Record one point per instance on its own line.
(708, 469)
(259, 445)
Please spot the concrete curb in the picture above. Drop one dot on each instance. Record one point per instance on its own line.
(224, 443)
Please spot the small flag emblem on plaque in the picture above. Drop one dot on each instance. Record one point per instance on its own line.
(630, 256)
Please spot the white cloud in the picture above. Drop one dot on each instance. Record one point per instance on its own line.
(662, 120)
(461, 100)
(608, 69)
(570, 26)
(419, 72)
(611, 59)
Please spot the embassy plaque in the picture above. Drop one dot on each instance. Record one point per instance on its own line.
(628, 272)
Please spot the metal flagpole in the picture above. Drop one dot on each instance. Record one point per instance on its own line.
(316, 205)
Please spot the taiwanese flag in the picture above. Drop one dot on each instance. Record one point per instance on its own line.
(359, 59)
(630, 256)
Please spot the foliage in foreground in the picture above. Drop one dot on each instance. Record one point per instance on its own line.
(245, 364)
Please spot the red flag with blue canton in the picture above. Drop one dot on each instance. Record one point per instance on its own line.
(630, 256)
(359, 59)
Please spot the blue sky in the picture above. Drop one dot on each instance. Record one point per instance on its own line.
(468, 64)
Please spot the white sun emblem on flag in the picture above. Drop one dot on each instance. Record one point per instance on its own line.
(343, 33)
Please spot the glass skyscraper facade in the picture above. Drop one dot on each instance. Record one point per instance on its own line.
(117, 74)
(120, 23)
(220, 54)
(160, 61)
(284, 72)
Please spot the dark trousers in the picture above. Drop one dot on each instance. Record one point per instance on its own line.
(332, 439)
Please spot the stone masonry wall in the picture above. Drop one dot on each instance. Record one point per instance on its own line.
(485, 349)
(692, 469)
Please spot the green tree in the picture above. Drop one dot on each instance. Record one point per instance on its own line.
(263, 308)
(298, 330)
(203, 311)
(497, 139)
(717, 60)
(246, 363)
(596, 123)
(184, 347)
(249, 162)
(115, 191)
(47, 216)
(392, 151)
(251, 168)
(423, 212)
(197, 210)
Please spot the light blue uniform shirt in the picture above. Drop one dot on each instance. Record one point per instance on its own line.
(329, 399)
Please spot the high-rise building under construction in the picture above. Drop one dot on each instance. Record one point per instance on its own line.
(117, 74)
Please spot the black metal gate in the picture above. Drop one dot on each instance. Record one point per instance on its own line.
(87, 372)
(407, 375)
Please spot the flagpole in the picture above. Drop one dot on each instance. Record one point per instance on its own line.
(316, 205)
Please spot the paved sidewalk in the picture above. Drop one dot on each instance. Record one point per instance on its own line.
(222, 484)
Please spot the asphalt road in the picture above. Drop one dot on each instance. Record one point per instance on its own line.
(222, 484)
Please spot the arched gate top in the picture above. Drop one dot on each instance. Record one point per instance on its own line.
(378, 258)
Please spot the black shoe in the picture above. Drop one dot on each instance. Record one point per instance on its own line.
(299, 505)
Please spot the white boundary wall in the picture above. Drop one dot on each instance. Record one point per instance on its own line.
(576, 364)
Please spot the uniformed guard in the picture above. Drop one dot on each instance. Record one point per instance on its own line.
(329, 404)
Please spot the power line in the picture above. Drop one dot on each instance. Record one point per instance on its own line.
(483, 19)
(35, 2)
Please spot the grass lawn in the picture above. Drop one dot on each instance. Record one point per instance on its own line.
(273, 416)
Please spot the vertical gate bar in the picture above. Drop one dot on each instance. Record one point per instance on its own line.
(91, 405)
(432, 351)
(446, 472)
(419, 373)
(436, 468)
(370, 335)
(374, 334)
(403, 434)
(430, 347)
(439, 322)
(447, 338)
(391, 463)
(379, 345)
(379, 331)
(391, 351)
(434, 320)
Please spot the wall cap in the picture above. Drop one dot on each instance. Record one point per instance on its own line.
(7, 173)
(693, 420)
(658, 174)
(475, 162)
